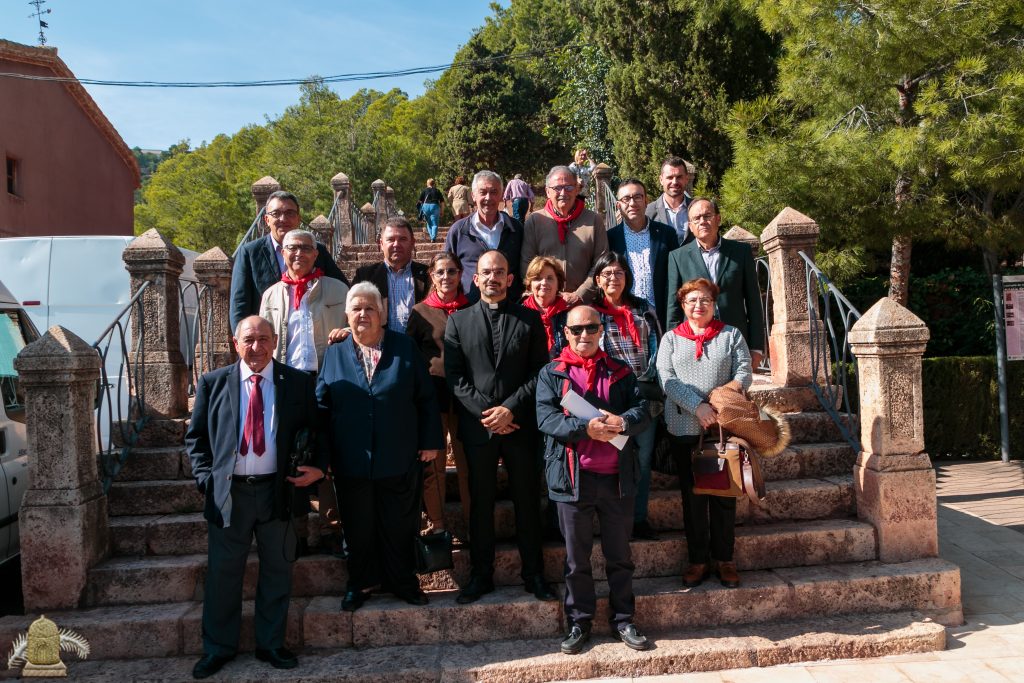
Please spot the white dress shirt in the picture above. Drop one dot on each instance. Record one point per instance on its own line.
(250, 463)
(301, 343)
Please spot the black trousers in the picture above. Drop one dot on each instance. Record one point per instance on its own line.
(382, 519)
(524, 489)
(598, 493)
(709, 521)
(228, 549)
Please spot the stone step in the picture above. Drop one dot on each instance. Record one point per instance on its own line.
(928, 586)
(814, 427)
(512, 661)
(179, 577)
(158, 433)
(817, 498)
(156, 464)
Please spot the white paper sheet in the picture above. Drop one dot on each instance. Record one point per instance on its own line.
(581, 408)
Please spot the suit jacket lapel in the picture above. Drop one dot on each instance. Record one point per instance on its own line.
(698, 260)
(723, 261)
(279, 395)
(270, 258)
(234, 377)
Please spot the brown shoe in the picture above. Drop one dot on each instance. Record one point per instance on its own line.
(728, 575)
(695, 575)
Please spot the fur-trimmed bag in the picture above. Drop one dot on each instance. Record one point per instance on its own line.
(729, 468)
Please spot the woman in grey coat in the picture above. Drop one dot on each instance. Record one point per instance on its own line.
(699, 355)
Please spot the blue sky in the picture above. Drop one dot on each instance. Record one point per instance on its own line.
(211, 40)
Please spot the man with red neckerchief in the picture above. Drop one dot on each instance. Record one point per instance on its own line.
(585, 474)
(567, 231)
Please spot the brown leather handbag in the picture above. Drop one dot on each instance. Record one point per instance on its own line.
(729, 468)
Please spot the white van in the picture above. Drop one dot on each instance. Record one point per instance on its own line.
(16, 330)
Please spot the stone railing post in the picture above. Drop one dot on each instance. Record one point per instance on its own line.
(342, 187)
(378, 189)
(370, 221)
(63, 520)
(151, 257)
(389, 194)
(323, 230)
(214, 350)
(893, 478)
(789, 344)
(738, 234)
(262, 189)
(602, 175)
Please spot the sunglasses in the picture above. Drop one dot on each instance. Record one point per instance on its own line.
(577, 330)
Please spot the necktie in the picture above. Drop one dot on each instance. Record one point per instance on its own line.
(253, 432)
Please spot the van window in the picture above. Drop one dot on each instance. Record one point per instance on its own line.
(15, 333)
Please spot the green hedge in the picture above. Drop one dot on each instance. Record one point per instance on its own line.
(961, 407)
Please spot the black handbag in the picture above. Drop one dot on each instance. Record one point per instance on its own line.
(434, 552)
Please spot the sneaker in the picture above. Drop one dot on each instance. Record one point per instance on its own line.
(631, 636)
(579, 634)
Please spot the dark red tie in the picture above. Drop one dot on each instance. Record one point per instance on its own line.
(253, 432)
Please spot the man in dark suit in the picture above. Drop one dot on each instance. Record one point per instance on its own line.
(492, 353)
(402, 282)
(646, 243)
(243, 427)
(260, 263)
(727, 263)
(670, 208)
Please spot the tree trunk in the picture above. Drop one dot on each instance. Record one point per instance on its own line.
(899, 266)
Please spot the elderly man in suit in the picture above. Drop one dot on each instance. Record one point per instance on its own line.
(402, 282)
(243, 427)
(261, 263)
(646, 243)
(492, 353)
(670, 208)
(727, 263)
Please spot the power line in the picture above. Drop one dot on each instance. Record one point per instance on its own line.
(339, 78)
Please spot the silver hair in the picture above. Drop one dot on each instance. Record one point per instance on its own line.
(263, 321)
(301, 232)
(557, 170)
(487, 175)
(364, 289)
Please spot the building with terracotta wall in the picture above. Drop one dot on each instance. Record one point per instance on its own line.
(66, 170)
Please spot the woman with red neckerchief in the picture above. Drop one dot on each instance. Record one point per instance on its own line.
(544, 280)
(426, 325)
(698, 356)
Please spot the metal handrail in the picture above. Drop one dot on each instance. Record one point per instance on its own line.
(832, 384)
(360, 225)
(196, 340)
(611, 210)
(334, 219)
(764, 283)
(257, 230)
(122, 402)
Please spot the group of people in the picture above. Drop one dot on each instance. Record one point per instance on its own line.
(518, 201)
(475, 353)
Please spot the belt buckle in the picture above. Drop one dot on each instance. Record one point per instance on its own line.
(251, 479)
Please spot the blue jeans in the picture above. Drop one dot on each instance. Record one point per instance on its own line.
(645, 452)
(431, 213)
(519, 207)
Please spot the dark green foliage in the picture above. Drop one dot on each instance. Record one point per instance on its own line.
(961, 407)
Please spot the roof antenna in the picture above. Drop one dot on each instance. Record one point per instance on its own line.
(38, 14)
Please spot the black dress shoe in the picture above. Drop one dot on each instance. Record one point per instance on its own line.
(419, 598)
(579, 634)
(353, 600)
(209, 665)
(540, 589)
(474, 590)
(279, 657)
(631, 636)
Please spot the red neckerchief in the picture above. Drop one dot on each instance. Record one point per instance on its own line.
(563, 223)
(570, 357)
(449, 307)
(683, 329)
(301, 285)
(547, 315)
(623, 317)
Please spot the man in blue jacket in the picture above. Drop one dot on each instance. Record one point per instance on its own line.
(585, 473)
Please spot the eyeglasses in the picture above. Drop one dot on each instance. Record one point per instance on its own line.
(589, 328)
(446, 271)
(286, 213)
(708, 217)
(558, 189)
(612, 274)
(298, 248)
(703, 301)
(632, 199)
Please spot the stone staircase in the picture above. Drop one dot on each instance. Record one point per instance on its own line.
(812, 583)
(356, 256)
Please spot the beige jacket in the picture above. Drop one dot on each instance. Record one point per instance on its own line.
(586, 242)
(326, 302)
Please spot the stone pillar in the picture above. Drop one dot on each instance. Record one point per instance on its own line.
(323, 230)
(369, 223)
(378, 189)
(214, 348)
(893, 478)
(262, 188)
(789, 344)
(392, 205)
(738, 234)
(150, 257)
(63, 520)
(602, 175)
(342, 187)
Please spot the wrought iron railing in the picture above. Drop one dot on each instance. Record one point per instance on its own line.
(764, 284)
(196, 322)
(611, 216)
(334, 218)
(257, 230)
(121, 395)
(364, 231)
(833, 365)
